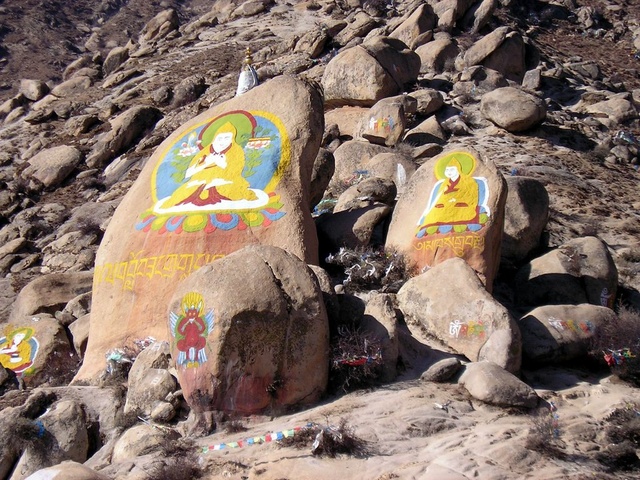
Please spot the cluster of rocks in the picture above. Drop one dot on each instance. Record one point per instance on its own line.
(371, 130)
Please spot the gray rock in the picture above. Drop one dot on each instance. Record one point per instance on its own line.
(160, 26)
(34, 90)
(352, 228)
(580, 271)
(71, 87)
(513, 109)
(140, 440)
(526, 214)
(188, 90)
(126, 130)
(442, 370)
(429, 101)
(115, 58)
(368, 192)
(490, 383)
(418, 23)
(439, 54)
(79, 331)
(51, 166)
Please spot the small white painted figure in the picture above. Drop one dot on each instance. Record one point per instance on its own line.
(555, 323)
(248, 76)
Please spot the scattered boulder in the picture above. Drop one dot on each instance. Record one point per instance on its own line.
(392, 166)
(617, 110)
(453, 206)
(79, 331)
(52, 165)
(140, 440)
(526, 214)
(428, 131)
(380, 321)
(126, 129)
(360, 25)
(351, 159)
(513, 109)
(149, 380)
(367, 192)
(490, 383)
(258, 339)
(416, 25)
(178, 217)
(442, 370)
(352, 228)
(71, 87)
(160, 26)
(439, 54)
(188, 90)
(366, 73)
(580, 271)
(115, 58)
(34, 90)
(451, 303)
(558, 333)
(385, 123)
(429, 101)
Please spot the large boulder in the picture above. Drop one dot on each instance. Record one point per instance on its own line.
(236, 175)
(513, 109)
(416, 25)
(451, 303)
(255, 338)
(366, 73)
(558, 333)
(453, 206)
(526, 214)
(580, 271)
(67, 471)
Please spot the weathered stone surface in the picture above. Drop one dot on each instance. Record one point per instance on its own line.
(557, 333)
(428, 131)
(346, 118)
(323, 169)
(36, 348)
(34, 90)
(188, 90)
(490, 383)
(313, 42)
(71, 87)
(451, 303)
(367, 192)
(453, 206)
(115, 58)
(149, 380)
(526, 214)
(617, 109)
(67, 471)
(49, 293)
(484, 47)
(418, 23)
(350, 160)
(476, 81)
(429, 101)
(126, 129)
(580, 271)
(442, 370)
(80, 334)
(439, 54)
(52, 165)
(392, 166)
(160, 26)
(513, 109)
(352, 228)
(140, 440)
(360, 25)
(364, 74)
(380, 321)
(508, 58)
(480, 14)
(257, 339)
(169, 224)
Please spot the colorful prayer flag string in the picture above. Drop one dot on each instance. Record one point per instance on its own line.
(269, 437)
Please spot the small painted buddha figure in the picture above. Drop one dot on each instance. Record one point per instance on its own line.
(215, 174)
(456, 198)
(16, 351)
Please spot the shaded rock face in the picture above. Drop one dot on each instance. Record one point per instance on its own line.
(489, 383)
(557, 333)
(257, 340)
(453, 206)
(451, 303)
(513, 109)
(580, 271)
(235, 175)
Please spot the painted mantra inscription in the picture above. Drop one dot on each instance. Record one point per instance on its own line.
(173, 265)
(457, 243)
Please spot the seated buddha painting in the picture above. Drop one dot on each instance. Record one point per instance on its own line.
(220, 173)
(458, 201)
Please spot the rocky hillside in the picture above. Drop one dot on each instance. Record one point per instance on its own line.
(497, 366)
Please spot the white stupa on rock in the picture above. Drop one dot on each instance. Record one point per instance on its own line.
(248, 77)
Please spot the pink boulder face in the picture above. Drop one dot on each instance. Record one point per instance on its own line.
(453, 206)
(236, 175)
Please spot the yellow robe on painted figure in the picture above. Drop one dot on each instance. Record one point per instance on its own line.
(214, 176)
(14, 356)
(456, 201)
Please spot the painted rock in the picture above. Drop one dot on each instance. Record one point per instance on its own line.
(255, 338)
(236, 175)
(557, 333)
(453, 206)
(451, 303)
(37, 350)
